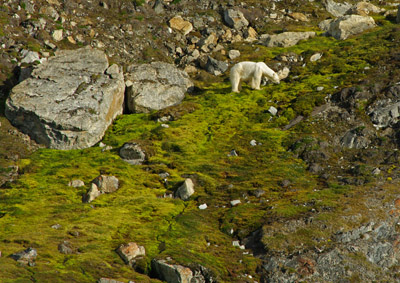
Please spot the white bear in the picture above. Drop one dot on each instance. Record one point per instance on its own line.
(253, 72)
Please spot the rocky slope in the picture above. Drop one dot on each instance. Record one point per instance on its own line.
(296, 182)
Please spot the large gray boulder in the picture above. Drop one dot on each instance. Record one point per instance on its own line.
(172, 273)
(285, 39)
(68, 101)
(155, 86)
(345, 26)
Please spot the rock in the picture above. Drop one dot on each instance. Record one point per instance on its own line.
(258, 193)
(203, 206)
(363, 9)
(65, 248)
(235, 19)
(285, 39)
(233, 54)
(250, 34)
(253, 142)
(56, 226)
(325, 24)
(26, 257)
(233, 153)
(376, 171)
(155, 86)
(235, 202)
(345, 26)
(57, 35)
(158, 7)
(272, 110)
(355, 139)
(299, 17)
(106, 184)
(132, 153)
(171, 273)
(50, 12)
(186, 190)
(385, 112)
(30, 57)
(92, 194)
(315, 57)
(76, 183)
(215, 67)
(100, 185)
(179, 24)
(336, 9)
(131, 252)
(69, 101)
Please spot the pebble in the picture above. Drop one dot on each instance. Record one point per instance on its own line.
(203, 206)
(235, 202)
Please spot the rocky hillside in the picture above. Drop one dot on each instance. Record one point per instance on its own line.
(126, 157)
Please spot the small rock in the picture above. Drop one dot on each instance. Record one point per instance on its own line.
(376, 171)
(233, 54)
(179, 24)
(65, 248)
(235, 19)
(258, 193)
(26, 257)
(233, 153)
(299, 17)
(203, 206)
(320, 88)
(186, 190)
(131, 252)
(235, 202)
(56, 226)
(253, 142)
(315, 57)
(30, 57)
(237, 244)
(76, 183)
(216, 67)
(57, 35)
(273, 110)
(132, 153)
(100, 185)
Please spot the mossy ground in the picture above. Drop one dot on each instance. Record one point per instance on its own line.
(211, 123)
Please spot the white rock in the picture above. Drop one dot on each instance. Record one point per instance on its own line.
(315, 57)
(57, 35)
(30, 57)
(203, 206)
(253, 142)
(233, 54)
(235, 202)
(273, 110)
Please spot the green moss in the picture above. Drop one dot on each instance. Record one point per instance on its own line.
(206, 127)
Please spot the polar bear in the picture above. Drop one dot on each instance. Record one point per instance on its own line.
(253, 72)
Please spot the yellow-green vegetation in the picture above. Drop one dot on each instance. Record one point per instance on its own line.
(210, 124)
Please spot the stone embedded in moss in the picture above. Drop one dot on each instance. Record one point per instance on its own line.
(100, 185)
(131, 252)
(186, 190)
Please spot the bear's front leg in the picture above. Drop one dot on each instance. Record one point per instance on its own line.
(256, 80)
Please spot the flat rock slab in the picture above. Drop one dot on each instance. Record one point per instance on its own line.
(69, 101)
